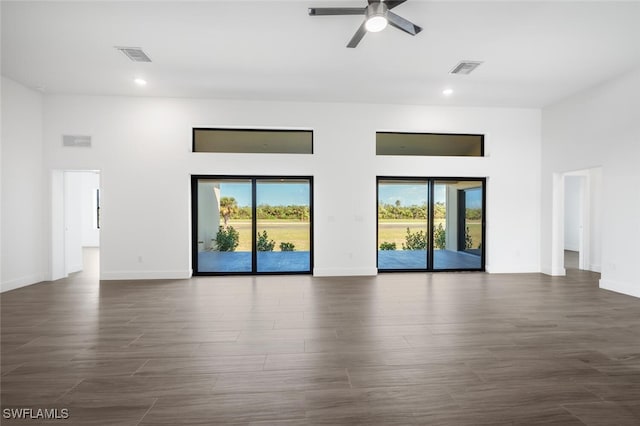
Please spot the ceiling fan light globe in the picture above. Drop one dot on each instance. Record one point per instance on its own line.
(376, 23)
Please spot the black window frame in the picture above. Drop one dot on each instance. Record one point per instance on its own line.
(239, 129)
(430, 221)
(480, 135)
(254, 252)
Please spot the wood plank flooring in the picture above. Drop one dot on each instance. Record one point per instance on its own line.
(397, 349)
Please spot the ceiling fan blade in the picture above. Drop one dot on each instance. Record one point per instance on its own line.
(332, 11)
(393, 3)
(358, 35)
(402, 24)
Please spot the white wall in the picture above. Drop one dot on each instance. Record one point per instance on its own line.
(595, 219)
(600, 127)
(208, 213)
(73, 222)
(23, 196)
(143, 148)
(572, 212)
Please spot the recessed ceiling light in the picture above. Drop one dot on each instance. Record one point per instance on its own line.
(140, 81)
(447, 92)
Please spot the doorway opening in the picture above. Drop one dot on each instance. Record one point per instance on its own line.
(577, 227)
(75, 223)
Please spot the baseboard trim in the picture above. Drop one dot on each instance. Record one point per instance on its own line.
(21, 282)
(554, 272)
(146, 275)
(626, 288)
(344, 272)
(595, 267)
(531, 269)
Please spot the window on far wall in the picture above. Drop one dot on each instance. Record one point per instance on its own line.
(429, 144)
(431, 224)
(253, 141)
(252, 224)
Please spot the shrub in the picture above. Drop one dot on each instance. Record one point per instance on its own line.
(227, 238)
(468, 241)
(415, 241)
(385, 245)
(287, 246)
(440, 237)
(264, 244)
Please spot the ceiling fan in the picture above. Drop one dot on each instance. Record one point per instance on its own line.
(377, 15)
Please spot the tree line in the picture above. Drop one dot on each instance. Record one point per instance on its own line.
(230, 210)
(397, 211)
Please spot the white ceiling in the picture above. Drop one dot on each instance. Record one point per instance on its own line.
(534, 53)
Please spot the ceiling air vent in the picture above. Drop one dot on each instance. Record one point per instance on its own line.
(134, 53)
(76, 140)
(465, 67)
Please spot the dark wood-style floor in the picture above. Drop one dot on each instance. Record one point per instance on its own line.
(430, 349)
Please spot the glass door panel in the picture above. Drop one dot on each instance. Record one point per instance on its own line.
(457, 224)
(224, 225)
(402, 224)
(283, 225)
(471, 226)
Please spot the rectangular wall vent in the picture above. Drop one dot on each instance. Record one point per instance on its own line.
(134, 53)
(465, 67)
(76, 140)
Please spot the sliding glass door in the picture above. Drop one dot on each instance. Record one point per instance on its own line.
(458, 231)
(284, 227)
(224, 217)
(429, 224)
(403, 224)
(249, 225)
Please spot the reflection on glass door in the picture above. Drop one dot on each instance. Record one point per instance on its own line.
(283, 240)
(470, 225)
(430, 224)
(402, 224)
(251, 225)
(457, 224)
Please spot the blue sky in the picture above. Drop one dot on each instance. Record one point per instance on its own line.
(411, 194)
(275, 194)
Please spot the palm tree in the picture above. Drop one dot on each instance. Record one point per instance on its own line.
(228, 207)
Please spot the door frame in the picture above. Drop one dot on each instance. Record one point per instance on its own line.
(586, 196)
(58, 237)
(430, 181)
(254, 229)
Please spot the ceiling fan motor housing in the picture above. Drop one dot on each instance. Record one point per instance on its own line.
(377, 9)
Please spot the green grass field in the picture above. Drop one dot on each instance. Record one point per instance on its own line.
(298, 232)
(277, 230)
